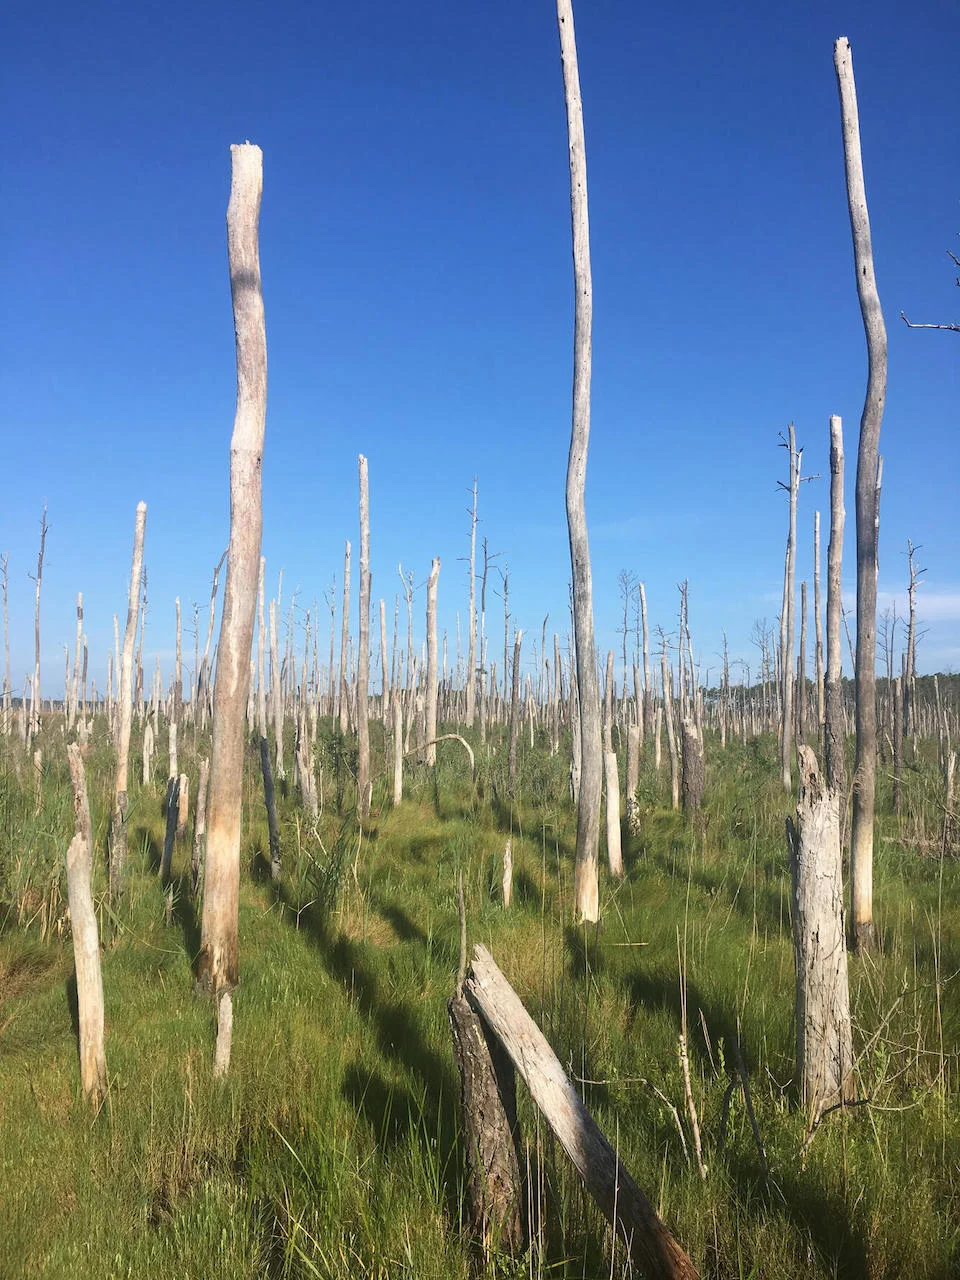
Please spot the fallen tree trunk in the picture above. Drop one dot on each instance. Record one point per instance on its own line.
(621, 1201)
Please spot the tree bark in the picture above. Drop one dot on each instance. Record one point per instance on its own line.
(471, 686)
(118, 828)
(270, 803)
(692, 781)
(834, 736)
(199, 827)
(86, 942)
(868, 514)
(824, 1038)
(586, 883)
(621, 1201)
(787, 618)
(218, 961)
(514, 711)
(343, 695)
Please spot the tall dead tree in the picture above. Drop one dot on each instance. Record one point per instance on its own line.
(430, 706)
(868, 513)
(35, 706)
(834, 735)
(472, 618)
(7, 686)
(343, 690)
(787, 627)
(586, 884)
(118, 827)
(217, 970)
(909, 711)
(818, 622)
(363, 652)
(611, 777)
(514, 710)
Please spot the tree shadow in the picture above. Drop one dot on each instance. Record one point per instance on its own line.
(143, 838)
(185, 914)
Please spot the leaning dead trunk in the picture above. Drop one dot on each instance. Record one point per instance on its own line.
(86, 942)
(621, 1201)
(118, 828)
(868, 513)
(824, 1042)
(586, 883)
(217, 966)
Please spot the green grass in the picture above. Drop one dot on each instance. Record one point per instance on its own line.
(332, 1149)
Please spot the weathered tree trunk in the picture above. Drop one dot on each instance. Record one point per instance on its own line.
(508, 872)
(897, 717)
(170, 833)
(343, 694)
(667, 680)
(397, 747)
(363, 653)
(488, 1108)
(834, 735)
(586, 883)
(514, 711)
(818, 623)
(270, 801)
(118, 827)
(824, 1039)
(199, 827)
(621, 1201)
(611, 778)
(218, 961)
(633, 778)
(692, 782)
(430, 706)
(802, 710)
(787, 618)
(86, 942)
(868, 514)
(471, 686)
(261, 656)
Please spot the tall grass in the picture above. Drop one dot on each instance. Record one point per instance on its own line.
(333, 1148)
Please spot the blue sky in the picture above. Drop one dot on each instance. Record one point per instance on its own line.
(415, 249)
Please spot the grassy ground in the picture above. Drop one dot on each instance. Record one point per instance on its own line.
(332, 1149)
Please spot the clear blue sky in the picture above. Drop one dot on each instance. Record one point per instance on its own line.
(415, 249)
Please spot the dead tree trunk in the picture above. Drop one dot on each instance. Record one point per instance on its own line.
(834, 735)
(488, 1108)
(472, 619)
(667, 680)
(363, 653)
(586, 884)
(818, 624)
(633, 778)
(611, 778)
(200, 827)
(621, 1201)
(692, 781)
(35, 703)
(430, 706)
(218, 961)
(787, 617)
(118, 828)
(868, 513)
(270, 802)
(514, 711)
(86, 942)
(824, 1039)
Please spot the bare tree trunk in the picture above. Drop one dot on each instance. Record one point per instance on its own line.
(586, 884)
(118, 829)
(692, 788)
(7, 686)
(633, 778)
(385, 694)
(363, 654)
(647, 683)
(35, 703)
(514, 710)
(472, 619)
(218, 961)
(787, 618)
(270, 802)
(611, 778)
(623, 1204)
(86, 942)
(430, 708)
(824, 1039)
(821, 695)
(199, 827)
(397, 748)
(343, 692)
(868, 514)
(897, 717)
(802, 666)
(667, 678)
(834, 736)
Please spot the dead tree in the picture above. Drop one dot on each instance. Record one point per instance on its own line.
(834, 735)
(824, 1038)
(667, 682)
(343, 692)
(692, 758)
(86, 942)
(611, 778)
(514, 711)
(200, 827)
(430, 706)
(118, 828)
(7, 686)
(270, 803)
(363, 653)
(35, 704)
(868, 513)
(633, 1218)
(471, 688)
(586, 884)
(217, 970)
(818, 623)
(787, 627)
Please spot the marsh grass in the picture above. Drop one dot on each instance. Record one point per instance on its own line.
(332, 1149)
